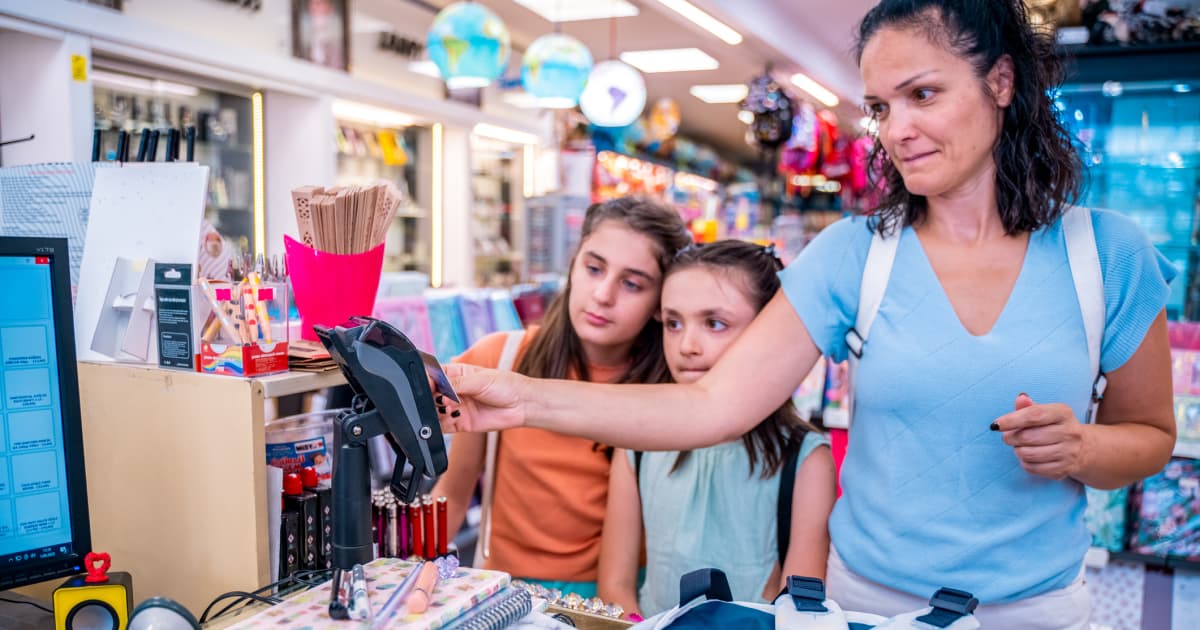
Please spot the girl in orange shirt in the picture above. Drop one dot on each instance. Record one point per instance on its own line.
(550, 489)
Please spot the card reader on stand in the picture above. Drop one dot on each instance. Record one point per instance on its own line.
(392, 398)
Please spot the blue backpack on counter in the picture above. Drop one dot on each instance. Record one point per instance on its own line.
(705, 601)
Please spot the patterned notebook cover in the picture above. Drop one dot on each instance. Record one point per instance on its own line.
(451, 598)
(410, 314)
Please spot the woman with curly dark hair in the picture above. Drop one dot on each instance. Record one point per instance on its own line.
(970, 445)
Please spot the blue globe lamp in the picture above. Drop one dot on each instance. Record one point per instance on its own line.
(469, 44)
(555, 69)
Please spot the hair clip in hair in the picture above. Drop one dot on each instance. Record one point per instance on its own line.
(769, 251)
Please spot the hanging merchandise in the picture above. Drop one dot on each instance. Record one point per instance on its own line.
(860, 154)
(801, 153)
(836, 163)
(469, 45)
(555, 69)
(614, 96)
(772, 109)
(664, 119)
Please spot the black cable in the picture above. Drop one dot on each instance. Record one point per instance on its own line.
(242, 594)
(27, 603)
(299, 578)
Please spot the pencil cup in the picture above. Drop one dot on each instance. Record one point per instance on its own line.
(242, 328)
(331, 288)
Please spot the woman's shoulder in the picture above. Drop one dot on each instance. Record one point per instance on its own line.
(1125, 248)
(1116, 231)
(847, 231)
(846, 240)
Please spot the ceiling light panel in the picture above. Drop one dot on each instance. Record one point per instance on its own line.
(670, 60)
(818, 91)
(730, 93)
(576, 10)
(704, 20)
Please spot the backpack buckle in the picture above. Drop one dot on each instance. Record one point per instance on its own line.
(855, 342)
(949, 605)
(807, 593)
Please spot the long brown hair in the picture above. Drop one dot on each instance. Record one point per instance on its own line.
(756, 268)
(556, 351)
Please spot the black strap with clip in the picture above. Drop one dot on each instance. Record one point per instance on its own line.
(949, 605)
(807, 593)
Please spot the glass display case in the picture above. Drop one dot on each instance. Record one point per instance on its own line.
(370, 152)
(495, 220)
(1140, 142)
(133, 101)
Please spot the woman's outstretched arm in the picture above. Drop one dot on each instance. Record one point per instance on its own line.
(758, 373)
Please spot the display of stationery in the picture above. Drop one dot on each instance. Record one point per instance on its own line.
(1168, 512)
(245, 318)
(125, 219)
(349, 220)
(451, 599)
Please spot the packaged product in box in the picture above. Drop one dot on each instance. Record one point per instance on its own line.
(1168, 503)
(302, 441)
(245, 331)
(1105, 517)
(1187, 426)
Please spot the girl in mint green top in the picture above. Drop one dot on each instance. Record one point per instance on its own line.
(717, 506)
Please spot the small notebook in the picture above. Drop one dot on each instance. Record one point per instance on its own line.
(446, 324)
(451, 600)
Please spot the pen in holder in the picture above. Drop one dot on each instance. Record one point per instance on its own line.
(243, 326)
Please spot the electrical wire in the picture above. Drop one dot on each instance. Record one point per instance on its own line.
(27, 603)
(308, 578)
(240, 594)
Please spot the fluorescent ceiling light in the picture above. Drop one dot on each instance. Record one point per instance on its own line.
(827, 98)
(425, 67)
(505, 134)
(350, 111)
(731, 93)
(670, 60)
(703, 20)
(574, 10)
(153, 86)
(520, 98)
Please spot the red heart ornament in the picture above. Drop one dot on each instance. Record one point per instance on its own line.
(97, 565)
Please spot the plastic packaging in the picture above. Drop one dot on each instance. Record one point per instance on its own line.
(302, 440)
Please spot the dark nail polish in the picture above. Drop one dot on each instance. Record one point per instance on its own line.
(1023, 394)
(441, 410)
(995, 427)
(456, 413)
(441, 400)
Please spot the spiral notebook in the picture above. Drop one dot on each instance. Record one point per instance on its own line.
(452, 600)
(498, 611)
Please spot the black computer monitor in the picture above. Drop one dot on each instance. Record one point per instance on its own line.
(44, 531)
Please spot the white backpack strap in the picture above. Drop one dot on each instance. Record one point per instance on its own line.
(876, 272)
(508, 357)
(1089, 289)
(878, 269)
